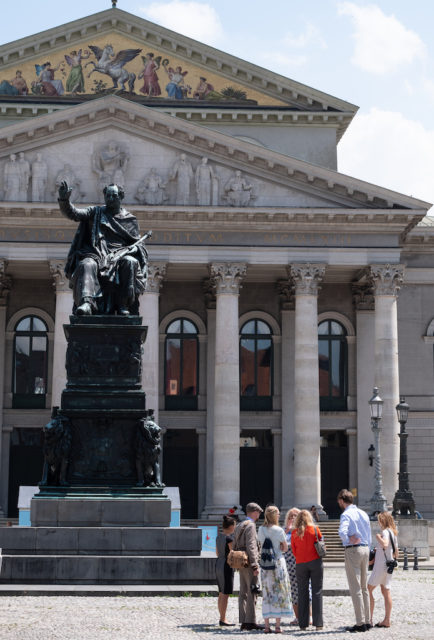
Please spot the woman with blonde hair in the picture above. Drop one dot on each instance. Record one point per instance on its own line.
(309, 568)
(274, 577)
(386, 550)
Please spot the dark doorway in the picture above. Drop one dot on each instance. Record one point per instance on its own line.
(256, 467)
(25, 464)
(334, 469)
(180, 467)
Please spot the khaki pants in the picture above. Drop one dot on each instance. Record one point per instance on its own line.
(356, 566)
(246, 599)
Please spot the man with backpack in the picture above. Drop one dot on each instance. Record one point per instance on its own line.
(245, 540)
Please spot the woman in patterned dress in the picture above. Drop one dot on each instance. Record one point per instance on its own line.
(275, 582)
(290, 561)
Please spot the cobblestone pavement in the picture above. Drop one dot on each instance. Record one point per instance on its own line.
(133, 618)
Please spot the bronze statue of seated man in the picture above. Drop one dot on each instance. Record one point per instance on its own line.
(107, 261)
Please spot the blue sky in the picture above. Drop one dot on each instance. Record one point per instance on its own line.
(377, 55)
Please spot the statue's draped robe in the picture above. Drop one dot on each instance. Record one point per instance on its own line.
(100, 233)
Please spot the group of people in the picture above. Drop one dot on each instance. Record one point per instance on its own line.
(291, 570)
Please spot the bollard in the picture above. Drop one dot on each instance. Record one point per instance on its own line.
(416, 563)
(405, 565)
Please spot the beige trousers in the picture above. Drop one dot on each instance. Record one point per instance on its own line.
(356, 566)
(246, 599)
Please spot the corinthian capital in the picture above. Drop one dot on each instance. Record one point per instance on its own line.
(5, 281)
(363, 296)
(306, 277)
(156, 273)
(57, 270)
(227, 276)
(386, 278)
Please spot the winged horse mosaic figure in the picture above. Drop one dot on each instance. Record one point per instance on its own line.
(113, 65)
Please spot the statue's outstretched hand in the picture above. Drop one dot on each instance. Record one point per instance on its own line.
(64, 191)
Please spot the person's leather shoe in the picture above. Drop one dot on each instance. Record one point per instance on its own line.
(357, 628)
(226, 624)
(251, 626)
(84, 309)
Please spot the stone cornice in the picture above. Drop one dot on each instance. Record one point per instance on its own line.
(5, 282)
(216, 115)
(208, 58)
(196, 140)
(271, 219)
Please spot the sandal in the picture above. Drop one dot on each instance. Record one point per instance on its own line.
(278, 630)
(382, 626)
(267, 630)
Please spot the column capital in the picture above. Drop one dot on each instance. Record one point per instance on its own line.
(208, 289)
(306, 277)
(156, 273)
(386, 278)
(286, 292)
(5, 282)
(363, 296)
(226, 277)
(57, 270)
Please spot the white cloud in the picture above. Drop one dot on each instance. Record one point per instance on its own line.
(193, 19)
(311, 36)
(382, 43)
(387, 149)
(282, 63)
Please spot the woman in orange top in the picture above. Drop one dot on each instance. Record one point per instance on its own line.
(309, 567)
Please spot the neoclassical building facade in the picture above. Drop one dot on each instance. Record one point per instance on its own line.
(280, 291)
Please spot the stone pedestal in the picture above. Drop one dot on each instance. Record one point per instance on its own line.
(100, 516)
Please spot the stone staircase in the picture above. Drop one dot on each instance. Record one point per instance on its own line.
(329, 529)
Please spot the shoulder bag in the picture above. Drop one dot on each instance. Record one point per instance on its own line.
(238, 558)
(320, 546)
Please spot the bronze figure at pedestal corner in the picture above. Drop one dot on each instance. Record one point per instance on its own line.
(107, 261)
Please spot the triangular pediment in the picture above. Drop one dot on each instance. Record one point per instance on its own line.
(80, 136)
(228, 78)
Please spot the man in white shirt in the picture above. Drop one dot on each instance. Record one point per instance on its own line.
(355, 533)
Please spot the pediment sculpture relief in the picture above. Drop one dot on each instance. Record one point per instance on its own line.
(151, 190)
(67, 174)
(110, 163)
(238, 192)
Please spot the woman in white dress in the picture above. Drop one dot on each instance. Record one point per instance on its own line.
(276, 601)
(380, 576)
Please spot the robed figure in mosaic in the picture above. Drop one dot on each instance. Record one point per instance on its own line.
(107, 261)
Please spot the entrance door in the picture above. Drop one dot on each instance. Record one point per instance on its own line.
(334, 470)
(25, 464)
(256, 467)
(180, 467)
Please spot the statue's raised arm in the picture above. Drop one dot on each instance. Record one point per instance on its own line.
(107, 262)
(64, 191)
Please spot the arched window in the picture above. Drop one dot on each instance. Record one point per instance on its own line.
(256, 366)
(181, 365)
(29, 384)
(333, 365)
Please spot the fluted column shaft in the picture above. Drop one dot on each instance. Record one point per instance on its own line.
(307, 463)
(64, 303)
(149, 310)
(226, 468)
(386, 280)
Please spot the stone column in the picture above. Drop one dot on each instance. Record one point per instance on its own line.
(210, 302)
(364, 302)
(149, 310)
(286, 294)
(307, 458)
(386, 280)
(201, 472)
(227, 279)
(5, 286)
(64, 303)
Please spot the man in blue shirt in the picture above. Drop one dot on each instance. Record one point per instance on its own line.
(355, 533)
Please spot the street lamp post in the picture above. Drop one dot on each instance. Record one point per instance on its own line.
(403, 502)
(378, 500)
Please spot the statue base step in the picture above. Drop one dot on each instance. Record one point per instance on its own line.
(94, 507)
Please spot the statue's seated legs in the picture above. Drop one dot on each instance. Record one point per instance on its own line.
(95, 295)
(86, 287)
